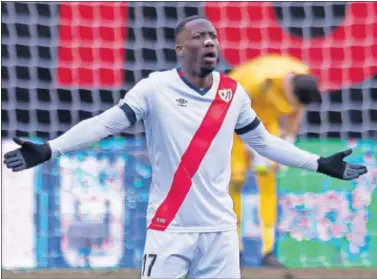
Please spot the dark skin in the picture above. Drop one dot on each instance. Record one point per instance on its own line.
(197, 48)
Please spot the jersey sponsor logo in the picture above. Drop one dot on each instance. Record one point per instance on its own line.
(161, 220)
(226, 94)
(181, 102)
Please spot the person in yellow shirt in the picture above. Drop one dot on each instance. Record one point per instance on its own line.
(279, 88)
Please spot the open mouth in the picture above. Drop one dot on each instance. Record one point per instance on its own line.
(210, 57)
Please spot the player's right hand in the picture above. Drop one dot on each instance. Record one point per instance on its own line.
(27, 156)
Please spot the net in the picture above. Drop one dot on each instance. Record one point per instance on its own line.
(337, 41)
(65, 62)
(62, 63)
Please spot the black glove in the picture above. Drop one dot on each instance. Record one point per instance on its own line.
(334, 166)
(29, 155)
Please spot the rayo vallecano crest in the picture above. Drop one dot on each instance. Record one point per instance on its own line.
(226, 94)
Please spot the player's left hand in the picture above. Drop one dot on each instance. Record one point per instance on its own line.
(335, 166)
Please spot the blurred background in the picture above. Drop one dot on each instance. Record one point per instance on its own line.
(65, 62)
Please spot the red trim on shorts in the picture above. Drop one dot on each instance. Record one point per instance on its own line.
(194, 154)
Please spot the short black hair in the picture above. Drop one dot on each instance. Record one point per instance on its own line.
(306, 89)
(183, 22)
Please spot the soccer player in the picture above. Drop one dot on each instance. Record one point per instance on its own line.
(279, 87)
(190, 115)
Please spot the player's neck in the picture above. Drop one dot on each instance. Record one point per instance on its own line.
(198, 81)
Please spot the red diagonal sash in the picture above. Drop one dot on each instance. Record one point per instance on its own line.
(194, 154)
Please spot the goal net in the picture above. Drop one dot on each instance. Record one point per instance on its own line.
(65, 62)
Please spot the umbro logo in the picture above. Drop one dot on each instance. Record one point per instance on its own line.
(181, 102)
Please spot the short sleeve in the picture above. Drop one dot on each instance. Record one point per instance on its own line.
(135, 102)
(247, 119)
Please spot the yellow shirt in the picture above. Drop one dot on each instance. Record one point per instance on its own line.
(262, 78)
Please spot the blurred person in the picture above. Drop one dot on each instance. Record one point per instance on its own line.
(190, 115)
(279, 88)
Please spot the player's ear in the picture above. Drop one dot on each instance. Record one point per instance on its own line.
(179, 50)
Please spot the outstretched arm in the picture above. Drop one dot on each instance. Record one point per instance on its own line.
(114, 120)
(79, 136)
(89, 131)
(276, 149)
(253, 133)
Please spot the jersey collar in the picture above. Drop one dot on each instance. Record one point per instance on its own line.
(193, 87)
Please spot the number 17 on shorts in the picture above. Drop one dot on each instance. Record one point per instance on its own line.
(148, 263)
(196, 255)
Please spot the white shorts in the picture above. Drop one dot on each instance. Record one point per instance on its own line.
(198, 255)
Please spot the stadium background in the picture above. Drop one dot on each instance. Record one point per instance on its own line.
(62, 63)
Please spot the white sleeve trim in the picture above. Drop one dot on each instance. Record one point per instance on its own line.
(278, 150)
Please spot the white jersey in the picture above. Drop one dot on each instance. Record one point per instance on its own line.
(189, 136)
